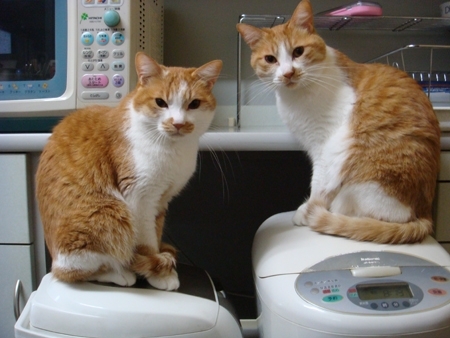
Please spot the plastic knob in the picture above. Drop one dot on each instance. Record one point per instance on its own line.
(111, 18)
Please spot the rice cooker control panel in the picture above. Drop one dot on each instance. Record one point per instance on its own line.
(371, 282)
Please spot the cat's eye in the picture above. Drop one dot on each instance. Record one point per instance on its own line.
(270, 59)
(194, 104)
(298, 52)
(161, 103)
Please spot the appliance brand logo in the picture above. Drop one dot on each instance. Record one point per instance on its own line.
(370, 260)
(84, 16)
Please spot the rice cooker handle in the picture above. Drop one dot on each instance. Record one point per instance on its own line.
(17, 291)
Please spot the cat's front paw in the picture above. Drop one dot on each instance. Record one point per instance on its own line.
(157, 268)
(168, 282)
(300, 216)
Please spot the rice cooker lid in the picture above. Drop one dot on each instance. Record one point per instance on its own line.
(99, 310)
(279, 248)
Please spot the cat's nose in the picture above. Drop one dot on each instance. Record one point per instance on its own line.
(178, 126)
(288, 75)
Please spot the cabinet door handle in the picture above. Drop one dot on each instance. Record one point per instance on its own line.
(17, 292)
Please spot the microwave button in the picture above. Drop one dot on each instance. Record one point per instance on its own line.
(118, 38)
(102, 54)
(94, 95)
(118, 80)
(102, 38)
(87, 38)
(118, 66)
(102, 66)
(87, 54)
(94, 81)
(111, 18)
(87, 66)
(118, 53)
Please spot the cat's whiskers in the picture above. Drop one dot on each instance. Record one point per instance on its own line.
(321, 71)
(266, 88)
(217, 164)
(154, 135)
(322, 82)
(326, 81)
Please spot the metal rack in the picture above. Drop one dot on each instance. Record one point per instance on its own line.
(334, 23)
(428, 72)
(337, 23)
(387, 23)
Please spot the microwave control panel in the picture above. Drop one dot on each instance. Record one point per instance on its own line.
(110, 33)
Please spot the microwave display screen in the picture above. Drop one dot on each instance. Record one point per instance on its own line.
(27, 40)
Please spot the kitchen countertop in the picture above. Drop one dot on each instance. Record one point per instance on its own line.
(273, 139)
(223, 139)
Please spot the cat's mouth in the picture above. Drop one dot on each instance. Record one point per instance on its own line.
(174, 134)
(291, 84)
(288, 82)
(177, 130)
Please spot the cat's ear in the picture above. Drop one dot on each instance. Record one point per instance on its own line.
(146, 67)
(209, 72)
(303, 17)
(250, 34)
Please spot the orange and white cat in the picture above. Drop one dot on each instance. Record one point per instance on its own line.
(106, 176)
(369, 130)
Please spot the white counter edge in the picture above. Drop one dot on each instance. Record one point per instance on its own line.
(229, 140)
(222, 140)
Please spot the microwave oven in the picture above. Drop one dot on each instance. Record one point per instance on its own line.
(61, 55)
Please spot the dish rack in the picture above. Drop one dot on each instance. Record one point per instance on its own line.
(427, 64)
(335, 23)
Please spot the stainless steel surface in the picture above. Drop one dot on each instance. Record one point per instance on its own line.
(17, 292)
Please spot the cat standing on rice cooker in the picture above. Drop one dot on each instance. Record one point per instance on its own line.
(369, 130)
(106, 176)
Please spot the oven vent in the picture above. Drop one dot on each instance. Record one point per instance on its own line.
(151, 28)
(142, 30)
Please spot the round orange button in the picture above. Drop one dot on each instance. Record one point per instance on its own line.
(439, 279)
(437, 292)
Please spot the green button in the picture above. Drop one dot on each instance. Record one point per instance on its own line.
(334, 290)
(332, 298)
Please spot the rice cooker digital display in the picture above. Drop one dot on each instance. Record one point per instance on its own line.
(370, 282)
(384, 291)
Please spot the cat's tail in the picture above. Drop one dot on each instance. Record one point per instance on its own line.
(367, 229)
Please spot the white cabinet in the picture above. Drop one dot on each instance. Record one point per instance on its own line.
(16, 240)
(443, 200)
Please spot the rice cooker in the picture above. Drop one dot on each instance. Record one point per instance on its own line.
(92, 309)
(320, 286)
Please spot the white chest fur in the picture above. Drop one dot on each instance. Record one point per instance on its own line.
(162, 167)
(318, 110)
(318, 116)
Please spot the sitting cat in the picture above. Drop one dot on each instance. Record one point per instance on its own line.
(369, 130)
(106, 176)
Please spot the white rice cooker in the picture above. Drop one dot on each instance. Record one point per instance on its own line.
(320, 286)
(93, 309)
